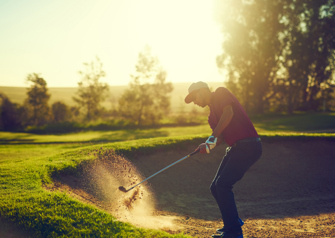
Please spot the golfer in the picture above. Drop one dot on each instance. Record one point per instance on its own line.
(229, 123)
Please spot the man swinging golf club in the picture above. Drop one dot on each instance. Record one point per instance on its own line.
(230, 123)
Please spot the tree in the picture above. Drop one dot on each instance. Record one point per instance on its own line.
(38, 98)
(147, 99)
(279, 51)
(310, 53)
(91, 92)
(60, 112)
(251, 49)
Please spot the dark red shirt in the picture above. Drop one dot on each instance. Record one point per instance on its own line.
(240, 127)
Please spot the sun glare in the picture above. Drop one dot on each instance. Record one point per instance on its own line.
(181, 33)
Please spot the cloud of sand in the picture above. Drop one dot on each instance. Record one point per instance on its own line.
(137, 206)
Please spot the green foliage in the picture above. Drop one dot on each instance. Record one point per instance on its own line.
(38, 98)
(91, 92)
(147, 100)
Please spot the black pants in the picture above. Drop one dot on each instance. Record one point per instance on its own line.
(238, 159)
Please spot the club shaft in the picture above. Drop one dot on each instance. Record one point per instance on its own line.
(164, 169)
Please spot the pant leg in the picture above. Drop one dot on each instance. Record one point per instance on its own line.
(221, 167)
(235, 163)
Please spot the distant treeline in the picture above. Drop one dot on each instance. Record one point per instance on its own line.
(145, 102)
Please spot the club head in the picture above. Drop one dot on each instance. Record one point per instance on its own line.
(122, 189)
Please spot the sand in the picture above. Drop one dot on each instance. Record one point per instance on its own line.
(289, 192)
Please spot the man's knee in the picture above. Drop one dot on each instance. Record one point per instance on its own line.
(222, 184)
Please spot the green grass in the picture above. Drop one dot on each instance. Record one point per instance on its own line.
(10, 153)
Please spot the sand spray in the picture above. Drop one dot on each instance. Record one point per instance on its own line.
(103, 176)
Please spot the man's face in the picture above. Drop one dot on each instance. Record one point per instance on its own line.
(199, 99)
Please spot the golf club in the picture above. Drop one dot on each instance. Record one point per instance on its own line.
(123, 189)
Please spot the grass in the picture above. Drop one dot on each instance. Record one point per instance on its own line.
(102, 136)
(27, 161)
(10, 153)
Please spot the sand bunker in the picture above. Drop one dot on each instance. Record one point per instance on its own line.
(289, 192)
(97, 182)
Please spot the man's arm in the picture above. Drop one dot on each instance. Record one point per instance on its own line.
(224, 121)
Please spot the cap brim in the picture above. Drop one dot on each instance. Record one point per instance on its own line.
(190, 97)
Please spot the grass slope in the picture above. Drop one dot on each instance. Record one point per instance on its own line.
(54, 214)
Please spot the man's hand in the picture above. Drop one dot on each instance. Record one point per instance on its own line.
(203, 148)
(211, 142)
(208, 145)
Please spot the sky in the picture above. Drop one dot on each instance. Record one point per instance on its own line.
(55, 38)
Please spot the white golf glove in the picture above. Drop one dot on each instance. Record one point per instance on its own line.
(210, 143)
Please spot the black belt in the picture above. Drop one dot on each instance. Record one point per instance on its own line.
(246, 140)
